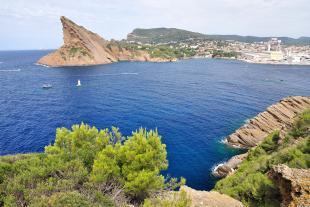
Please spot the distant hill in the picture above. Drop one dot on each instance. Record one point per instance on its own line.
(162, 35)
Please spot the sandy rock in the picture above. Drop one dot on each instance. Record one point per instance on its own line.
(210, 198)
(294, 185)
(277, 116)
(83, 47)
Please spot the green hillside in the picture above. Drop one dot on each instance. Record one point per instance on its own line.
(163, 35)
(160, 35)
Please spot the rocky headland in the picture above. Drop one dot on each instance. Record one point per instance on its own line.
(274, 172)
(83, 47)
(277, 117)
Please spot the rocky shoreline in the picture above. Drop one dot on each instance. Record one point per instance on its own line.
(277, 117)
(276, 63)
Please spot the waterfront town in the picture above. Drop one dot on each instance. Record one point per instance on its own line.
(269, 52)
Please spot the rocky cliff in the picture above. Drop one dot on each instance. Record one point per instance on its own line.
(276, 116)
(294, 185)
(83, 47)
(279, 116)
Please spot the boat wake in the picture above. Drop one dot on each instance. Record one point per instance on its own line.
(129, 73)
(121, 74)
(109, 74)
(12, 70)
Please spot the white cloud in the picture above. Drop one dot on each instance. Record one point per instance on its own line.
(115, 18)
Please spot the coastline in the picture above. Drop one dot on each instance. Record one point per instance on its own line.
(277, 117)
(274, 63)
(85, 65)
(175, 60)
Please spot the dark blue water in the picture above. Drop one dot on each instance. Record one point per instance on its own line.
(192, 103)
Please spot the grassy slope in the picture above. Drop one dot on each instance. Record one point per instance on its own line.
(250, 184)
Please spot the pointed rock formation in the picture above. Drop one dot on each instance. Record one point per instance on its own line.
(83, 47)
(277, 116)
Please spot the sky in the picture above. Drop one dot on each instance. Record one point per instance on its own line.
(35, 24)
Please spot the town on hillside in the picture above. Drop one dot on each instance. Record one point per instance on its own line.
(273, 51)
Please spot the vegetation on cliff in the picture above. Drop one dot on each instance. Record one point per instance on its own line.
(162, 51)
(223, 54)
(250, 182)
(88, 167)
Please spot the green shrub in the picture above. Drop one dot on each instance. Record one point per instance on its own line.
(136, 164)
(301, 126)
(82, 142)
(176, 199)
(86, 167)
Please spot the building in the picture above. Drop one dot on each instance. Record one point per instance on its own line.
(276, 55)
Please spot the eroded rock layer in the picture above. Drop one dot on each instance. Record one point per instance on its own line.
(294, 185)
(83, 47)
(276, 116)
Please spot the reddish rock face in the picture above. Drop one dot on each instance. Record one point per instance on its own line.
(276, 117)
(294, 185)
(83, 47)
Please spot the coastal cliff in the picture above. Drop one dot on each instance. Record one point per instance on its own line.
(83, 47)
(275, 172)
(277, 116)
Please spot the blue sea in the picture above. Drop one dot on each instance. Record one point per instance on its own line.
(194, 104)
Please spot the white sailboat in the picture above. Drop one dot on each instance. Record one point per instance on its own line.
(79, 83)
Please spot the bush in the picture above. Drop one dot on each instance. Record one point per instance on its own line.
(176, 199)
(86, 167)
(301, 126)
(63, 199)
(136, 164)
(82, 142)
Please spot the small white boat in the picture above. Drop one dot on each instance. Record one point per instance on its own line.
(47, 86)
(79, 83)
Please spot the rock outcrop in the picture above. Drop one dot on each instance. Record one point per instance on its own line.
(210, 198)
(83, 47)
(277, 116)
(294, 185)
(224, 169)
